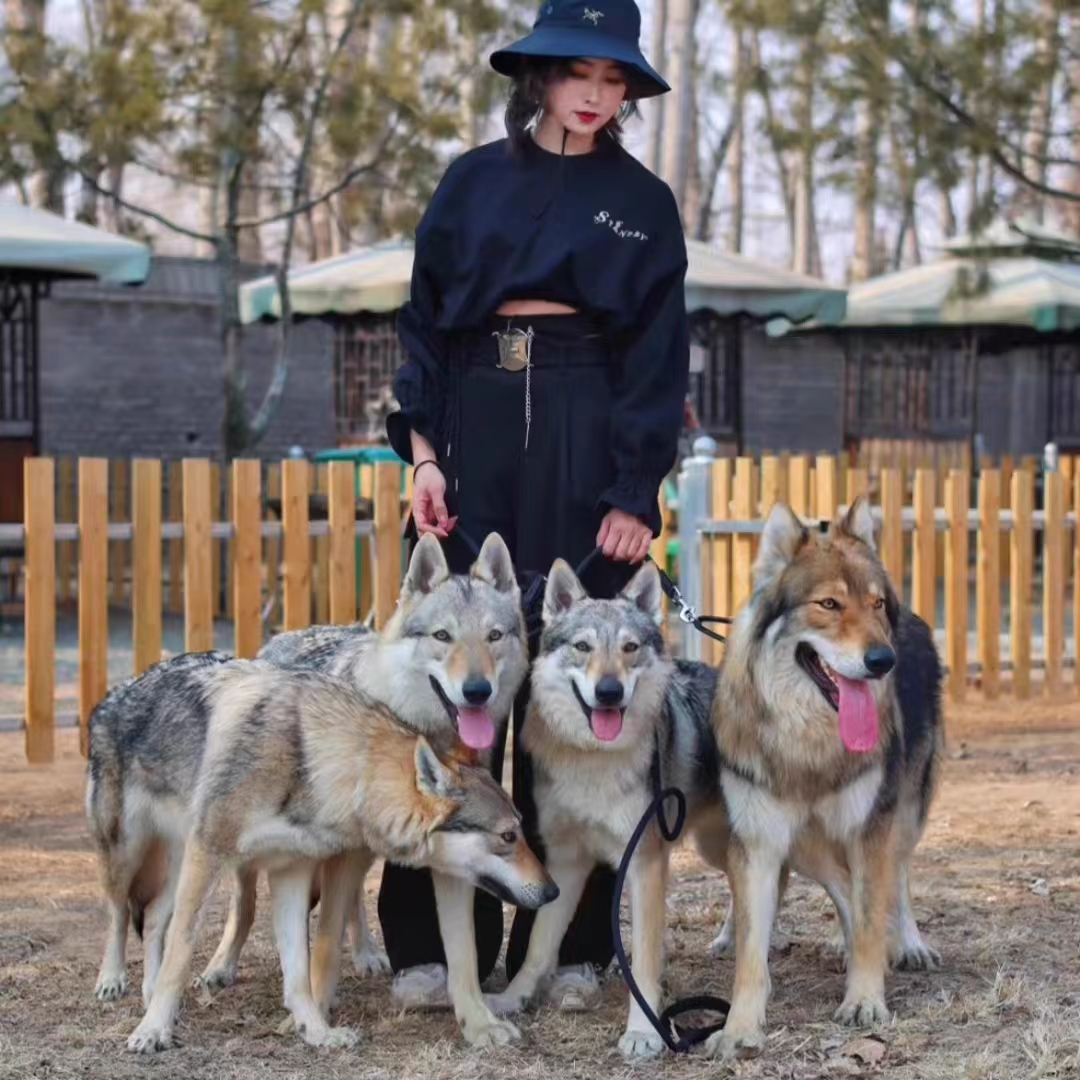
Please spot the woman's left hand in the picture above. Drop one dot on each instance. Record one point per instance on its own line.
(623, 537)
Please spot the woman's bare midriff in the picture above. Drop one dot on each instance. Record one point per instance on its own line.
(534, 307)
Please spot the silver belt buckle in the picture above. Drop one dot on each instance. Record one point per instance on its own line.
(513, 349)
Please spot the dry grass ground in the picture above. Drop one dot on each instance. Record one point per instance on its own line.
(997, 890)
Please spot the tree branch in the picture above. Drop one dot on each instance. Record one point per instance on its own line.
(263, 416)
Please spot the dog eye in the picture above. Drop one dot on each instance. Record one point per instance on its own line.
(441, 635)
(879, 602)
(829, 604)
(631, 647)
(509, 837)
(495, 635)
(582, 646)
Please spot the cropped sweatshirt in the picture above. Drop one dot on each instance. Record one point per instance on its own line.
(597, 232)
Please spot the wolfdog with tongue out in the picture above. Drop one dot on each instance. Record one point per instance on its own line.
(828, 723)
(451, 659)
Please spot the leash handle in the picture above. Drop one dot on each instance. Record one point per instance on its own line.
(678, 1039)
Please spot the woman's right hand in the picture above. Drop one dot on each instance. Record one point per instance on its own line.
(429, 501)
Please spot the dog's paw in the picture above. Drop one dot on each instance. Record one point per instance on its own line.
(149, 1038)
(491, 1033)
(735, 1045)
(370, 960)
(639, 1045)
(111, 986)
(324, 1037)
(504, 1004)
(917, 957)
(862, 1011)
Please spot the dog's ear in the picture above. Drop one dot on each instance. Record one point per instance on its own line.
(643, 590)
(494, 564)
(427, 568)
(563, 590)
(432, 776)
(858, 523)
(784, 535)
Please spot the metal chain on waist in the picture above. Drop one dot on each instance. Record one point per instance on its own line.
(528, 384)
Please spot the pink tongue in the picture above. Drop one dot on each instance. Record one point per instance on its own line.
(858, 715)
(476, 728)
(606, 724)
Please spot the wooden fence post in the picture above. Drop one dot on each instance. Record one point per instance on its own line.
(988, 582)
(146, 563)
(247, 556)
(297, 544)
(892, 527)
(176, 547)
(1054, 582)
(1020, 559)
(924, 548)
(39, 518)
(67, 550)
(799, 485)
(828, 493)
(93, 583)
(721, 549)
(198, 595)
(341, 555)
(742, 543)
(387, 546)
(956, 583)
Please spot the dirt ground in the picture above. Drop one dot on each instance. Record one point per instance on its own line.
(997, 890)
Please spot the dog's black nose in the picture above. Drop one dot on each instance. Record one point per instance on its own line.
(609, 691)
(476, 691)
(879, 660)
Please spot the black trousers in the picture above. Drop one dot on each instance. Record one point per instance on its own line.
(542, 499)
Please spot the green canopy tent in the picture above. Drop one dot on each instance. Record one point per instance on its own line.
(37, 248)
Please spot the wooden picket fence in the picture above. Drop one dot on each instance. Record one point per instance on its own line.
(188, 538)
(310, 565)
(927, 518)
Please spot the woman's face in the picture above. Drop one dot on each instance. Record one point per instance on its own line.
(588, 97)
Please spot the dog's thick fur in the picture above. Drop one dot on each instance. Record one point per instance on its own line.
(793, 794)
(450, 635)
(597, 656)
(247, 767)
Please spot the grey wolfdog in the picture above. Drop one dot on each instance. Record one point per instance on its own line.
(200, 766)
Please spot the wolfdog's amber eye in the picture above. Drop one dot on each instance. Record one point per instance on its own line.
(631, 647)
(441, 635)
(582, 646)
(879, 602)
(495, 635)
(829, 604)
(509, 837)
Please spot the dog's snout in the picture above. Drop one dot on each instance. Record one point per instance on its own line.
(476, 689)
(609, 691)
(879, 660)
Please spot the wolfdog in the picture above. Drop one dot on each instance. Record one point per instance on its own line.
(605, 697)
(242, 765)
(828, 722)
(452, 657)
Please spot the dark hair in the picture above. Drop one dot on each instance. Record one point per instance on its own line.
(531, 81)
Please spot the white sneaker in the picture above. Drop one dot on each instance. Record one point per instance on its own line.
(575, 988)
(421, 987)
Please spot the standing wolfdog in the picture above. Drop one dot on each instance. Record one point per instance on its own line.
(450, 659)
(598, 699)
(287, 771)
(827, 718)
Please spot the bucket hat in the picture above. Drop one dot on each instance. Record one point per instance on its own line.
(593, 29)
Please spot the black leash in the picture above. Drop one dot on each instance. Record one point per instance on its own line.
(679, 1039)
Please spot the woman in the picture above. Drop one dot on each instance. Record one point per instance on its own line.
(547, 369)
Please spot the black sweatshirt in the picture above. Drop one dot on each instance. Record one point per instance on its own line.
(597, 232)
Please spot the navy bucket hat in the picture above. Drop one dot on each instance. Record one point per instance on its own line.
(592, 29)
